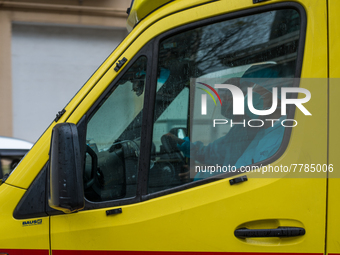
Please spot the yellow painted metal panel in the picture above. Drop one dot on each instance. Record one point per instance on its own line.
(333, 238)
(14, 234)
(202, 219)
(334, 38)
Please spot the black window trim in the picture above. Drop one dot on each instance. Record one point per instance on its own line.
(290, 115)
(144, 52)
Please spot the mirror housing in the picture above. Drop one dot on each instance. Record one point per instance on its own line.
(66, 180)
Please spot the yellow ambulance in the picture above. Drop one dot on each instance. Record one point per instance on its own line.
(112, 174)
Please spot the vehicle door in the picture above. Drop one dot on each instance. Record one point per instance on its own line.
(140, 195)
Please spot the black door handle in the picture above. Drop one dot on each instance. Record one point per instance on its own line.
(277, 232)
(238, 180)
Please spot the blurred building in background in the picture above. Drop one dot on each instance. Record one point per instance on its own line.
(48, 50)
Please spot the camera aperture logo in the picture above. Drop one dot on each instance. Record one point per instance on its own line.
(204, 97)
(246, 105)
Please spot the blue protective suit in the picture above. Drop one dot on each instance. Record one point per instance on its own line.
(265, 144)
(223, 151)
(241, 144)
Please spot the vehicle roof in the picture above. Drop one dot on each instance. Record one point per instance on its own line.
(11, 143)
(141, 8)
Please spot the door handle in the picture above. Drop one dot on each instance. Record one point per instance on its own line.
(277, 232)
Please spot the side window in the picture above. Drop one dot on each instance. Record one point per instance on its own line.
(113, 139)
(249, 51)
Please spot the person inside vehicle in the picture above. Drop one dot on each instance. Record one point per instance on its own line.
(228, 149)
(268, 140)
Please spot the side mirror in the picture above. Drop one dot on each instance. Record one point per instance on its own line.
(66, 180)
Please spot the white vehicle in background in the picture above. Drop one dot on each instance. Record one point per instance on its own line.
(12, 150)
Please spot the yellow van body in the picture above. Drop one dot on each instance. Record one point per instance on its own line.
(199, 219)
